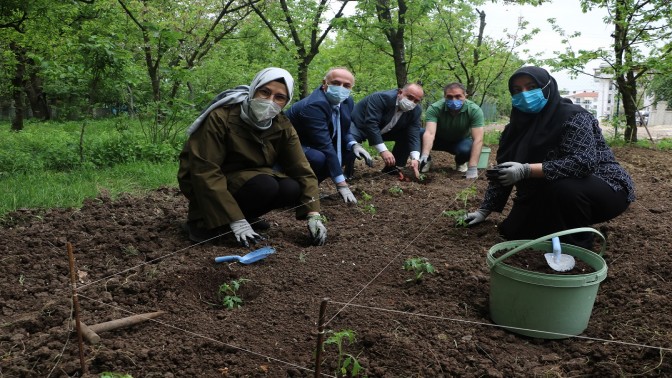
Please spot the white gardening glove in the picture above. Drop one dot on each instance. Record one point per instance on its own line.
(244, 232)
(347, 195)
(425, 162)
(472, 173)
(512, 172)
(361, 153)
(476, 217)
(318, 233)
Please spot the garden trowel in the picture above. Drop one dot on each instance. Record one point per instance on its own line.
(556, 260)
(249, 258)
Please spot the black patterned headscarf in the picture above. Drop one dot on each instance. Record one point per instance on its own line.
(528, 138)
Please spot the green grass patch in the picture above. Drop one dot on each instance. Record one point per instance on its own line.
(69, 189)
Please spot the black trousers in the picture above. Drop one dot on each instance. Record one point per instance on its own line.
(563, 204)
(263, 193)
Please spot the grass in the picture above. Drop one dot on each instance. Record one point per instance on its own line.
(47, 189)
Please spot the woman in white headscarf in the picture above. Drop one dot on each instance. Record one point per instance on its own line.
(228, 166)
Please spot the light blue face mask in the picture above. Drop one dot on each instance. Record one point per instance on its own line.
(454, 104)
(337, 94)
(530, 101)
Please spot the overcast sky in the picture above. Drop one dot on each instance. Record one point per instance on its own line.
(594, 33)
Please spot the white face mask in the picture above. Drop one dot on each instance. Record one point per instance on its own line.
(264, 109)
(406, 105)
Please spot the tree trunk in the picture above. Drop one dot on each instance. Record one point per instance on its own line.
(35, 92)
(303, 79)
(17, 86)
(628, 89)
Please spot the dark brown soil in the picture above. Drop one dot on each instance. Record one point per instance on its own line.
(131, 257)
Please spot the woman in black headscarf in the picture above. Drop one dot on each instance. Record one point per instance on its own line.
(554, 153)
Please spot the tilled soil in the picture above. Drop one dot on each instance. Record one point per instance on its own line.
(132, 257)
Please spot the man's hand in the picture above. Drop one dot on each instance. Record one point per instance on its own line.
(424, 162)
(361, 153)
(318, 233)
(347, 195)
(476, 217)
(472, 173)
(388, 158)
(415, 165)
(512, 172)
(244, 233)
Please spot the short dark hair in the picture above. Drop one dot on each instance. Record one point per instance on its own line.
(455, 85)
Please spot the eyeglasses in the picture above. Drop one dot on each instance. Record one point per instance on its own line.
(266, 93)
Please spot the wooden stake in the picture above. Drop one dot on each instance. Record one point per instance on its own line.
(320, 337)
(75, 302)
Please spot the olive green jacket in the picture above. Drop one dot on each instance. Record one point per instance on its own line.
(224, 153)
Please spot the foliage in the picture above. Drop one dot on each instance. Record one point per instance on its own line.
(367, 206)
(347, 363)
(396, 190)
(419, 266)
(465, 194)
(457, 215)
(108, 374)
(228, 293)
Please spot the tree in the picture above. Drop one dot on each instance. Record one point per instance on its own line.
(301, 29)
(642, 42)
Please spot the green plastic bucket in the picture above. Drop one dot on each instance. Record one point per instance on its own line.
(547, 306)
(483, 158)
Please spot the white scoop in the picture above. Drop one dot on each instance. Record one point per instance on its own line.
(556, 260)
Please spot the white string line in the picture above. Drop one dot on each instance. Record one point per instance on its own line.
(401, 251)
(203, 336)
(502, 326)
(191, 246)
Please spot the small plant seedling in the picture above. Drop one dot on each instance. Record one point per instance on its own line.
(396, 190)
(22, 279)
(114, 374)
(347, 363)
(370, 208)
(302, 257)
(422, 177)
(419, 266)
(366, 196)
(458, 216)
(465, 194)
(229, 293)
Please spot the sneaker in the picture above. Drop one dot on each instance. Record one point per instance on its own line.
(199, 235)
(259, 224)
(428, 165)
(462, 167)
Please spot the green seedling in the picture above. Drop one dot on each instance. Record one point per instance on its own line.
(370, 208)
(466, 194)
(366, 196)
(419, 266)
(458, 216)
(229, 293)
(347, 363)
(114, 374)
(396, 190)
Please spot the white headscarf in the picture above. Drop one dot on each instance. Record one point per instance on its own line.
(243, 93)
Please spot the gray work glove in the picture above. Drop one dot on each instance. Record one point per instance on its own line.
(244, 233)
(318, 233)
(512, 172)
(361, 153)
(347, 195)
(424, 163)
(476, 217)
(472, 173)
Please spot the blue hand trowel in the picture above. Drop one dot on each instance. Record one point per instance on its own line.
(249, 258)
(556, 260)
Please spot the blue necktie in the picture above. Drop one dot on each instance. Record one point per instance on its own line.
(336, 122)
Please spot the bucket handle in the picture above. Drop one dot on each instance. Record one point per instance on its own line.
(548, 237)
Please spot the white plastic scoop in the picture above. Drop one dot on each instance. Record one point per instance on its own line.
(556, 260)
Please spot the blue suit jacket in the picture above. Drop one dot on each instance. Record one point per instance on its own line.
(375, 111)
(311, 118)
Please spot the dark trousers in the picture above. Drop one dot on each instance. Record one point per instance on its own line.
(263, 193)
(399, 136)
(563, 204)
(318, 161)
(461, 148)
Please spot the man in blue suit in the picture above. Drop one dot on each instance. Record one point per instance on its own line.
(390, 116)
(322, 121)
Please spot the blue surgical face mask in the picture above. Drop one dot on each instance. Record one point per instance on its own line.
(337, 94)
(530, 101)
(454, 104)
